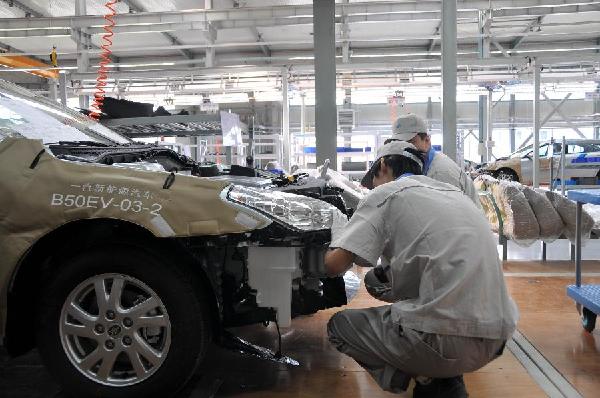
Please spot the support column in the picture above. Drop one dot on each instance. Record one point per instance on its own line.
(303, 125)
(347, 131)
(512, 122)
(52, 90)
(325, 79)
(489, 142)
(484, 52)
(449, 49)
(83, 40)
(285, 121)
(346, 78)
(536, 124)
(62, 78)
(209, 56)
(429, 112)
(482, 128)
(597, 113)
(484, 34)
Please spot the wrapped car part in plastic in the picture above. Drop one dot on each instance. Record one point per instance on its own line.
(551, 225)
(567, 208)
(594, 211)
(520, 223)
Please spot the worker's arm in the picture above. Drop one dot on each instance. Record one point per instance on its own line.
(338, 261)
(360, 240)
(378, 284)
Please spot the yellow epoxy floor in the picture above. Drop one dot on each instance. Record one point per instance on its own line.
(326, 372)
(551, 323)
(548, 319)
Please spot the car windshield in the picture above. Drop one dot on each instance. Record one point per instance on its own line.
(25, 114)
(528, 151)
(522, 152)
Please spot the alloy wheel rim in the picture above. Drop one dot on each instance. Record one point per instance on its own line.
(115, 330)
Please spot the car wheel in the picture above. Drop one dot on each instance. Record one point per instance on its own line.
(507, 175)
(121, 322)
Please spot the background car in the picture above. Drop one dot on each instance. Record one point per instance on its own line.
(582, 163)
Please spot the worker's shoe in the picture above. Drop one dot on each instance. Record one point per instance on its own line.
(453, 387)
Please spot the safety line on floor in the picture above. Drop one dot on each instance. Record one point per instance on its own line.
(554, 384)
(550, 274)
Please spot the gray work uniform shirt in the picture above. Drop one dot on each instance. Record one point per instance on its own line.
(446, 277)
(444, 169)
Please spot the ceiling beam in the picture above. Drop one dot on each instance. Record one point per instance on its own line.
(133, 6)
(7, 49)
(424, 65)
(533, 25)
(266, 50)
(398, 40)
(302, 14)
(29, 12)
(500, 47)
(432, 42)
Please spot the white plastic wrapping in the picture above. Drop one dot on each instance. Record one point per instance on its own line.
(483, 181)
(352, 193)
(551, 225)
(519, 221)
(567, 209)
(489, 209)
(352, 282)
(594, 211)
(530, 214)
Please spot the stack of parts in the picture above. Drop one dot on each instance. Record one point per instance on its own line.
(550, 222)
(519, 221)
(529, 214)
(594, 211)
(567, 209)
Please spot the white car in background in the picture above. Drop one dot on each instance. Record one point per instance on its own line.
(582, 163)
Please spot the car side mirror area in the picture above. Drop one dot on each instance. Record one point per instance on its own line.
(527, 156)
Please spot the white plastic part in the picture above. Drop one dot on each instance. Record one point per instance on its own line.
(352, 283)
(270, 273)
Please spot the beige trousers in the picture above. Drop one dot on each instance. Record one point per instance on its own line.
(393, 355)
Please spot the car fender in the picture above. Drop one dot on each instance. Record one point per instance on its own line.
(40, 193)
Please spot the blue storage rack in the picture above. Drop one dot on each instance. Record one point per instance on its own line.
(586, 295)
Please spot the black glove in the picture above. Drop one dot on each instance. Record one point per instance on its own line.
(378, 285)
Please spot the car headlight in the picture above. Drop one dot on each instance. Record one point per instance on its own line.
(301, 212)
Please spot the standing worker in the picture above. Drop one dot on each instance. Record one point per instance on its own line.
(53, 57)
(411, 128)
(450, 312)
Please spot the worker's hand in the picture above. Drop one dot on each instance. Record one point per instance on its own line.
(378, 284)
(337, 261)
(339, 222)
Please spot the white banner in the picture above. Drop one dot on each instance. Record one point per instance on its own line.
(231, 129)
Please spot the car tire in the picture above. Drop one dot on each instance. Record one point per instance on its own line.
(506, 175)
(159, 325)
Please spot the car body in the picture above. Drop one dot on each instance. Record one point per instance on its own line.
(582, 163)
(121, 263)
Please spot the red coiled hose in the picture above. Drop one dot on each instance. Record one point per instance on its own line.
(104, 60)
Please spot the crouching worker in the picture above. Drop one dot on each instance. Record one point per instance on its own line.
(450, 311)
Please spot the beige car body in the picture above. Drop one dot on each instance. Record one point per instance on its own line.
(582, 162)
(40, 197)
(514, 164)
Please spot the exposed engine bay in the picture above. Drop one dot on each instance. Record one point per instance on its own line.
(237, 264)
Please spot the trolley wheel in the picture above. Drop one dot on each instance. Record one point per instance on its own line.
(588, 320)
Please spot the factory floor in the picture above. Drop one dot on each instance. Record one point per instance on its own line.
(548, 321)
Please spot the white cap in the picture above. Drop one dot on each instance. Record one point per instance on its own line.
(391, 148)
(407, 126)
